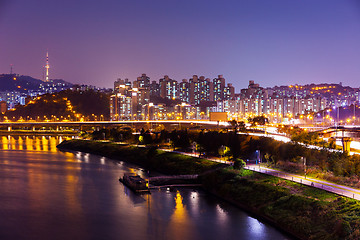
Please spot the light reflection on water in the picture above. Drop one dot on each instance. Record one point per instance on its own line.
(256, 228)
(49, 194)
(31, 143)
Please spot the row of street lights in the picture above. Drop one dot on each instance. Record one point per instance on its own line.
(54, 118)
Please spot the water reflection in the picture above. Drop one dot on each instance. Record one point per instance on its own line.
(255, 227)
(5, 143)
(135, 198)
(180, 211)
(50, 194)
(180, 223)
(221, 216)
(31, 143)
(102, 160)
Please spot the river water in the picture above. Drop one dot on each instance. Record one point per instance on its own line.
(49, 194)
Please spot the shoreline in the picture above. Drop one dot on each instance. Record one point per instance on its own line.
(256, 214)
(256, 194)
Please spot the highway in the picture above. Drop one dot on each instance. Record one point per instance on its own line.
(282, 138)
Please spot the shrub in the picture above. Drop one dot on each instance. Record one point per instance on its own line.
(239, 164)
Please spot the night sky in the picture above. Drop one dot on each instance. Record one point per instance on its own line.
(274, 42)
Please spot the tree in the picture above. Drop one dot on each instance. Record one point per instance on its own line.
(223, 151)
(234, 144)
(241, 126)
(258, 120)
(180, 139)
(332, 143)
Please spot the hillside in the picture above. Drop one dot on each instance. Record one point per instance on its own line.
(64, 105)
(15, 82)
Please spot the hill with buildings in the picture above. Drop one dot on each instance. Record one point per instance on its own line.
(15, 88)
(67, 105)
(20, 83)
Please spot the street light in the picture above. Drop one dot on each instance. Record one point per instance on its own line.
(354, 116)
(258, 157)
(304, 160)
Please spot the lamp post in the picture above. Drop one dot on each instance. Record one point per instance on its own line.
(354, 117)
(304, 159)
(258, 160)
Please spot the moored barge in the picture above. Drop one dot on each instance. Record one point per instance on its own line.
(135, 183)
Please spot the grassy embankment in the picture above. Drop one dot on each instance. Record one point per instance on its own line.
(304, 211)
(157, 160)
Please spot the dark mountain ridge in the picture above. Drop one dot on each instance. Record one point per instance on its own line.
(21, 83)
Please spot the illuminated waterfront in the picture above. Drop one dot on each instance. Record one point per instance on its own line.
(49, 194)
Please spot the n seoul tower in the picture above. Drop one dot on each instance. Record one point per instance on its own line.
(47, 67)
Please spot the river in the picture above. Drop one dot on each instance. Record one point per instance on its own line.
(49, 194)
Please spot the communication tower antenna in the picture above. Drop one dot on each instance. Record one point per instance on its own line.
(47, 67)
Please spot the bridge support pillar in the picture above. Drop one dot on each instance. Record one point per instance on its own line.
(57, 128)
(33, 128)
(9, 128)
(346, 144)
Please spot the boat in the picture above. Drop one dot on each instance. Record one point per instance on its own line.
(135, 183)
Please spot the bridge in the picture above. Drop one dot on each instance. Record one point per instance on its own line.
(81, 125)
(340, 132)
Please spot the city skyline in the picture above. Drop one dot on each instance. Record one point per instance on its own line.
(277, 43)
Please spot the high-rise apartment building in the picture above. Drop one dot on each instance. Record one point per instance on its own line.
(142, 82)
(122, 86)
(193, 89)
(219, 86)
(154, 89)
(229, 92)
(120, 107)
(201, 90)
(184, 91)
(168, 88)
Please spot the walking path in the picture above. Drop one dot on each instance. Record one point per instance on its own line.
(313, 182)
(317, 183)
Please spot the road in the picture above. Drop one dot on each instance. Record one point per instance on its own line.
(317, 183)
(282, 138)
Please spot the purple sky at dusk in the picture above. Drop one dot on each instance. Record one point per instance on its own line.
(274, 42)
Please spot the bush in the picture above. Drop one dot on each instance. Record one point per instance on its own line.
(239, 164)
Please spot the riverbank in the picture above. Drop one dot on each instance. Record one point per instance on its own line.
(306, 212)
(303, 211)
(150, 158)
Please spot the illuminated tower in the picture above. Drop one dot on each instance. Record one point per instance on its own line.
(47, 67)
